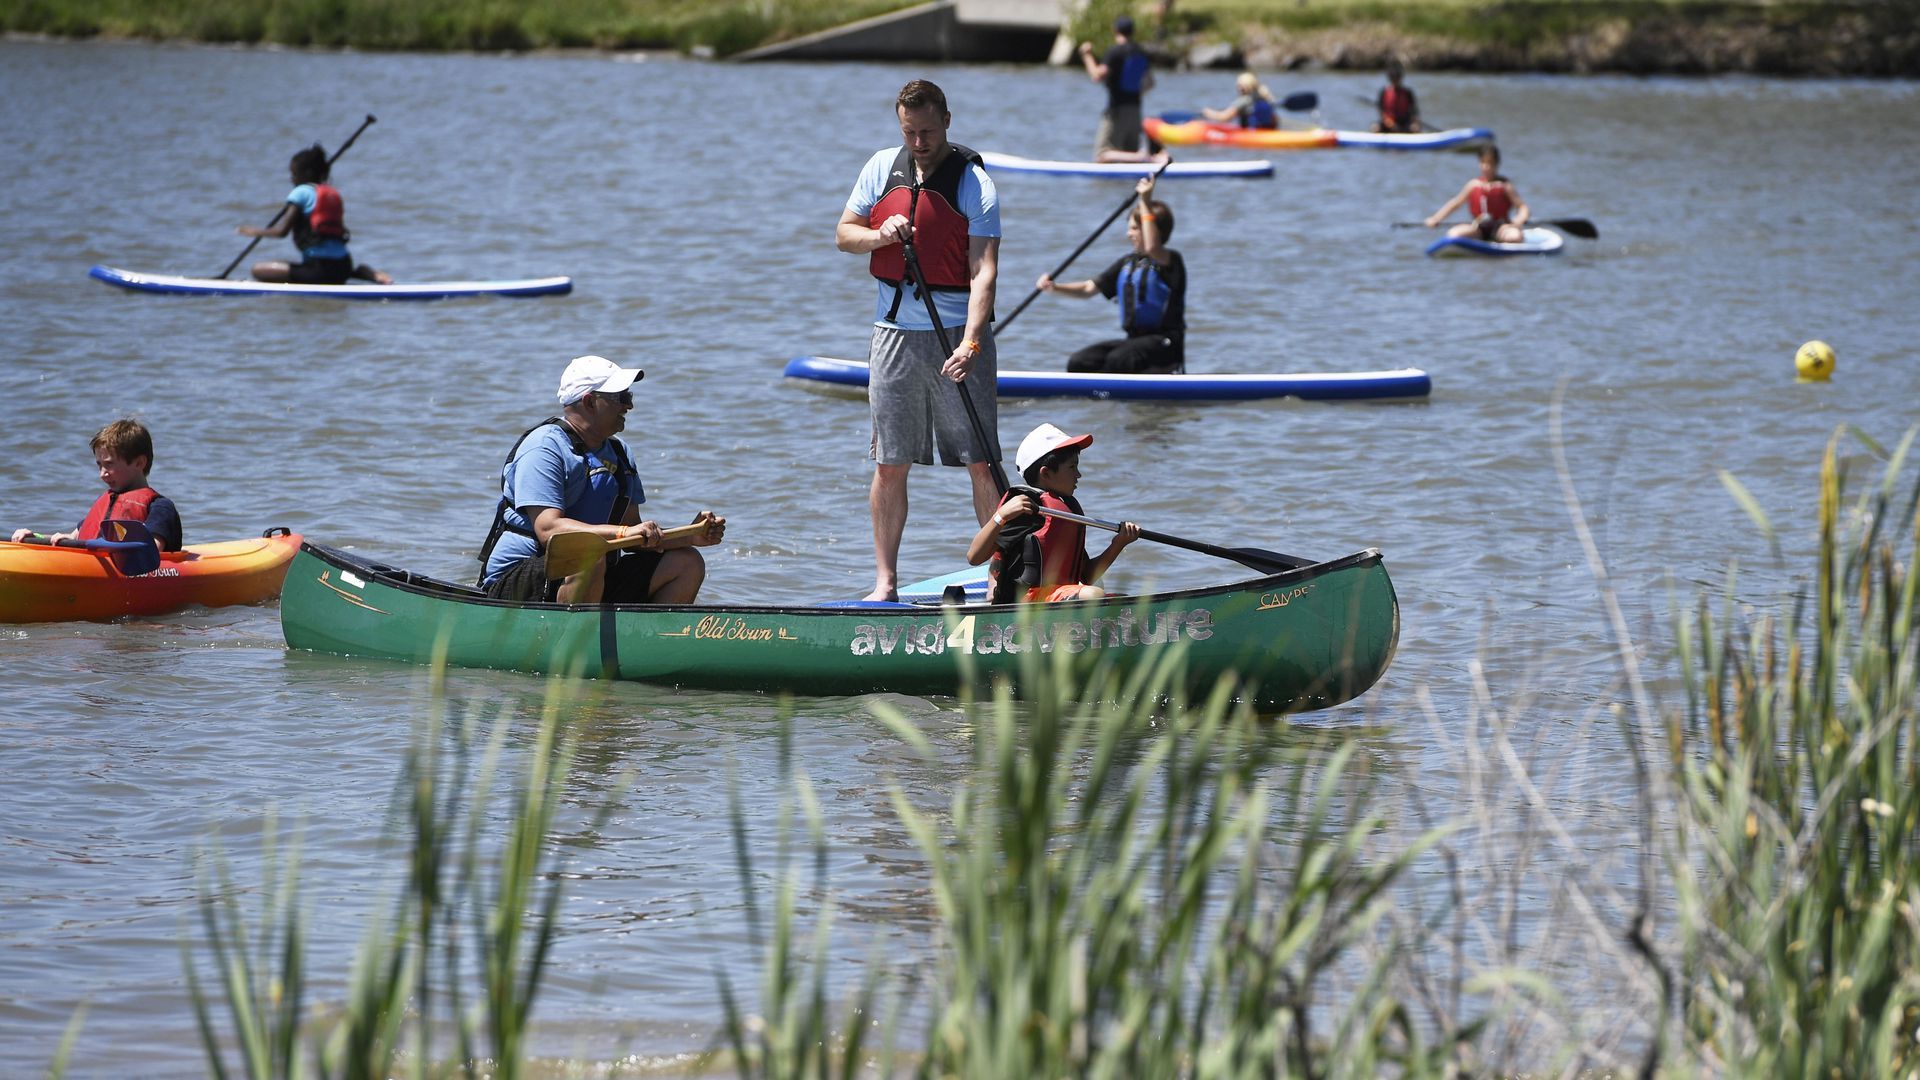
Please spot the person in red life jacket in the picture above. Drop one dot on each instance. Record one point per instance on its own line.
(1127, 72)
(1254, 108)
(1499, 214)
(1036, 558)
(1399, 111)
(1150, 284)
(937, 195)
(123, 450)
(316, 217)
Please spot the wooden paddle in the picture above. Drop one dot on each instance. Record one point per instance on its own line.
(126, 544)
(1270, 562)
(283, 206)
(1303, 101)
(569, 553)
(987, 451)
(1572, 226)
(1001, 326)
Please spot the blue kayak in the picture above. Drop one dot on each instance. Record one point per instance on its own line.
(1534, 242)
(357, 290)
(1126, 170)
(1333, 386)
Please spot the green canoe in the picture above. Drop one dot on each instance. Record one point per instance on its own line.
(1306, 639)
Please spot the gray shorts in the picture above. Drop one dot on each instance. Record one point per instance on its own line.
(916, 408)
(1119, 130)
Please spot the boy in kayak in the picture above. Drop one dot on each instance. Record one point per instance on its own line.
(316, 217)
(1150, 284)
(1036, 558)
(123, 451)
(1399, 112)
(1499, 214)
(1254, 108)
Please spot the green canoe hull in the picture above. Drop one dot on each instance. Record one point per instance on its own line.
(1306, 639)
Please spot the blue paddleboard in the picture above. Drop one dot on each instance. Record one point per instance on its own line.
(1327, 386)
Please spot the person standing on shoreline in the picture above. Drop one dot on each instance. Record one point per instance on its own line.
(937, 196)
(1127, 72)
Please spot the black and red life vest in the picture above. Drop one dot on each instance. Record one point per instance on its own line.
(939, 228)
(1396, 107)
(1036, 550)
(328, 221)
(1490, 198)
(128, 505)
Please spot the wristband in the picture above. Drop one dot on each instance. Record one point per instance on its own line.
(997, 519)
(1147, 217)
(972, 345)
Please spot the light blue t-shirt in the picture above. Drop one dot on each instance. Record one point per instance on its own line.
(303, 199)
(546, 472)
(978, 201)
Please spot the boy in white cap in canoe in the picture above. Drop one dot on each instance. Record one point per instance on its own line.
(1040, 558)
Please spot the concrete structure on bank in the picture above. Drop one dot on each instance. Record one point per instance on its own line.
(977, 30)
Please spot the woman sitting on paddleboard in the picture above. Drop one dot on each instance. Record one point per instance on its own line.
(316, 216)
(1150, 284)
(1499, 214)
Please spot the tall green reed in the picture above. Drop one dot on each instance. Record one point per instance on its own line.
(1797, 874)
(405, 1010)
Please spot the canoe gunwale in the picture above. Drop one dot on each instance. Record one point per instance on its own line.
(418, 584)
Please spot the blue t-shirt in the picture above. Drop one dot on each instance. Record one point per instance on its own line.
(978, 201)
(546, 472)
(303, 199)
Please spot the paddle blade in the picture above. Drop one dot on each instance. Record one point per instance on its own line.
(1304, 101)
(1579, 227)
(1179, 116)
(569, 553)
(130, 546)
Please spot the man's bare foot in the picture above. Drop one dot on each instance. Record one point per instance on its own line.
(882, 595)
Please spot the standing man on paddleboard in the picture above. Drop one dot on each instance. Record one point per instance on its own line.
(1127, 72)
(937, 196)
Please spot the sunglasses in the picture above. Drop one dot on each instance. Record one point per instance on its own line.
(624, 397)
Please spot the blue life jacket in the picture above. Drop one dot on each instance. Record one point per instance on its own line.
(1133, 74)
(1263, 115)
(1144, 295)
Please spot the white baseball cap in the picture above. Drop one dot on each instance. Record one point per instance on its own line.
(1044, 440)
(595, 375)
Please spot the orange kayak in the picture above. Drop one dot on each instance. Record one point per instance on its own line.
(39, 583)
(1202, 133)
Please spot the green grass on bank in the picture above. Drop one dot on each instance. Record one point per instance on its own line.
(725, 26)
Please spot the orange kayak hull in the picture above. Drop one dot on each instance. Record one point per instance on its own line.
(1202, 133)
(60, 584)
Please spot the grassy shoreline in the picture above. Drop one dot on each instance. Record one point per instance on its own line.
(1787, 37)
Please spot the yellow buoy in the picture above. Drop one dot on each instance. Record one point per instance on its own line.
(1814, 361)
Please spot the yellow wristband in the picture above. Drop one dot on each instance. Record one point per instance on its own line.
(972, 345)
(1147, 217)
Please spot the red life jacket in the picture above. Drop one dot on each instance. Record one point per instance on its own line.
(939, 228)
(328, 221)
(129, 505)
(1057, 546)
(1491, 199)
(1396, 106)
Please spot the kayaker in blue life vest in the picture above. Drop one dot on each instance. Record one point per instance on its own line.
(123, 452)
(1150, 284)
(1127, 72)
(316, 217)
(1254, 108)
(570, 474)
(1499, 213)
(1040, 559)
(1399, 112)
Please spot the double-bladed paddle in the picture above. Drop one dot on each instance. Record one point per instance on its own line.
(1302, 101)
(1001, 326)
(126, 544)
(988, 452)
(569, 553)
(283, 206)
(1572, 226)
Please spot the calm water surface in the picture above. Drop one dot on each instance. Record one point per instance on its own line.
(694, 204)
